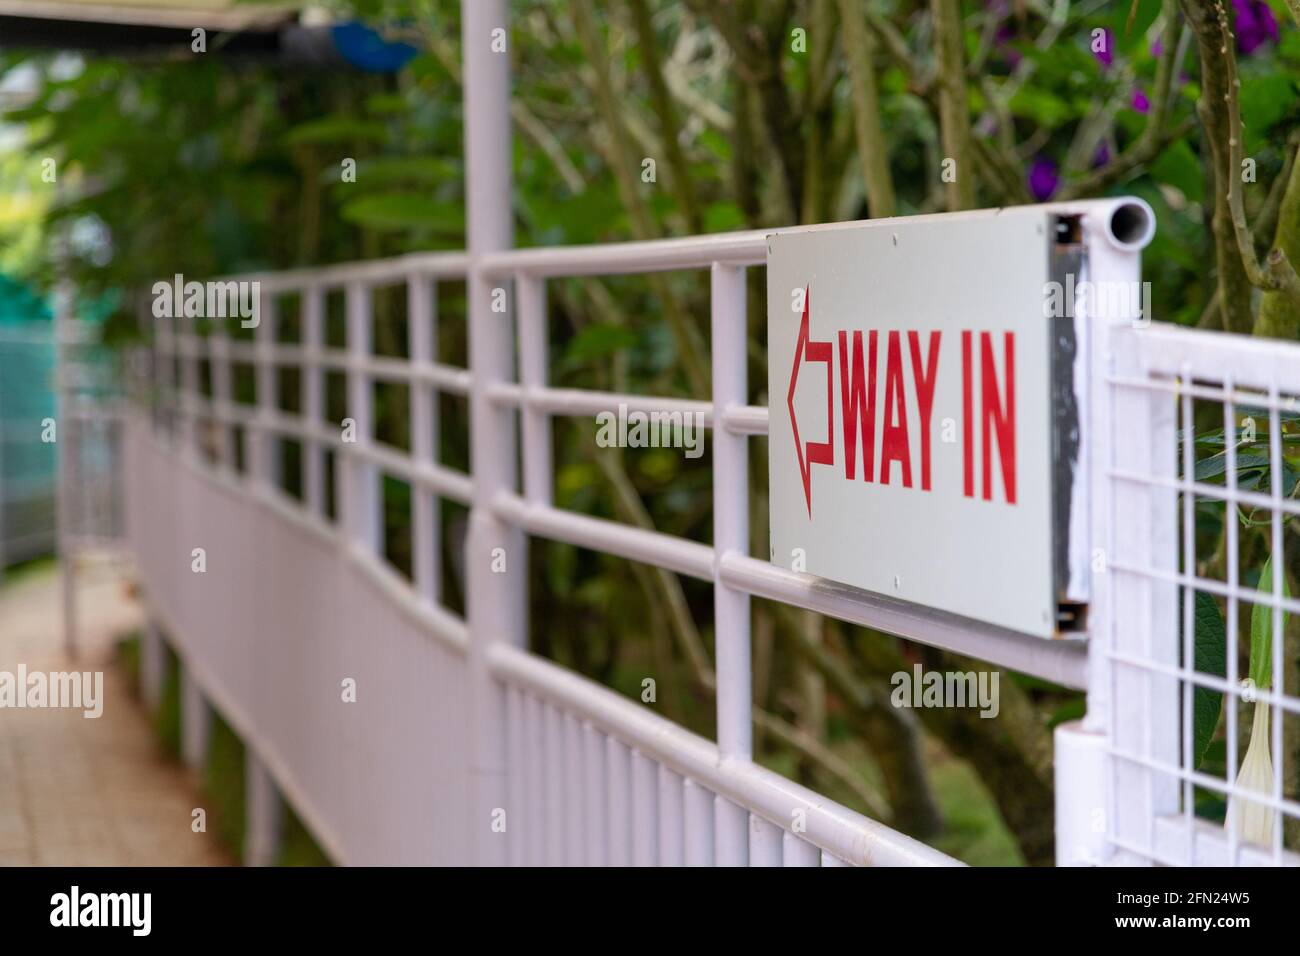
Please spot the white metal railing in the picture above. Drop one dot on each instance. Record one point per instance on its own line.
(549, 767)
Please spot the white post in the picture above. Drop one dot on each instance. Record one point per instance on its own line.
(66, 460)
(153, 664)
(730, 535)
(496, 598)
(219, 366)
(313, 396)
(196, 721)
(426, 536)
(361, 499)
(263, 811)
(533, 352)
(1079, 759)
(730, 511)
(262, 442)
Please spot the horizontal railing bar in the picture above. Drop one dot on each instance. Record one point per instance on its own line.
(1209, 845)
(746, 248)
(1063, 662)
(581, 402)
(578, 402)
(1260, 363)
(636, 544)
(746, 419)
(430, 476)
(848, 835)
(631, 258)
(1210, 492)
(444, 265)
(447, 378)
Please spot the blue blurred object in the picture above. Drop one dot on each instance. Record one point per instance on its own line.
(365, 49)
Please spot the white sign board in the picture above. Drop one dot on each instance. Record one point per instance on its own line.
(911, 422)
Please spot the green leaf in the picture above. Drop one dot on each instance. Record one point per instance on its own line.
(1264, 100)
(1127, 38)
(398, 211)
(1216, 465)
(1261, 629)
(1209, 657)
(723, 217)
(1178, 166)
(336, 129)
(599, 340)
(1043, 108)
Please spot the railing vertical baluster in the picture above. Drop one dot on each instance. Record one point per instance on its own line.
(362, 498)
(697, 824)
(313, 396)
(421, 319)
(261, 441)
(730, 535)
(495, 559)
(730, 510)
(532, 374)
(187, 349)
(219, 359)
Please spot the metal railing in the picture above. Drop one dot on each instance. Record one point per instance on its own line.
(469, 748)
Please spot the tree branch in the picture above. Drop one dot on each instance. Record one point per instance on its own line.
(872, 152)
(954, 112)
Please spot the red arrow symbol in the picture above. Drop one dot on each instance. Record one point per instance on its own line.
(818, 452)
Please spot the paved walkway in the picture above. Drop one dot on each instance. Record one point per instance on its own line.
(78, 791)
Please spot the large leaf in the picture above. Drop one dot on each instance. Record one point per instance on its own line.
(398, 211)
(336, 129)
(1261, 629)
(1209, 657)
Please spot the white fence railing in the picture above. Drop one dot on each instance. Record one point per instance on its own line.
(461, 745)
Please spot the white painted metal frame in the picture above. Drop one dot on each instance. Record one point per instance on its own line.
(559, 770)
(1146, 682)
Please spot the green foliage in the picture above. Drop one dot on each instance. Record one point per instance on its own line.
(1209, 648)
(1261, 629)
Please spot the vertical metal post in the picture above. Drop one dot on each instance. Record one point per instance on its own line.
(187, 408)
(421, 325)
(361, 500)
(264, 810)
(153, 664)
(65, 457)
(313, 397)
(264, 442)
(730, 535)
(196, 721)
(730, 511)
(219, 357)
(496, 561)
(533, 357)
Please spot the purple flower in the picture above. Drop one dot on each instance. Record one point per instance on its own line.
(1255, 25)
(1002, 44)
(1103, 47)
(1043, 179)
(1102, 156)
(1140, 101)
(1157, 49)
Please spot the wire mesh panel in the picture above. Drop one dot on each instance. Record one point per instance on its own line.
(1200, 650)
(28, 490)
